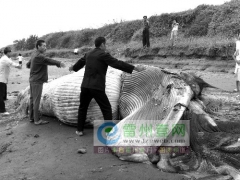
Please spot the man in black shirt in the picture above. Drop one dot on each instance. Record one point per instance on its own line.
(93, 84)
(145, 34)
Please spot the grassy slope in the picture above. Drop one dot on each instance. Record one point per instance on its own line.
(207, 31)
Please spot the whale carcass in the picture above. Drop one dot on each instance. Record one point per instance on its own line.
(158, 95)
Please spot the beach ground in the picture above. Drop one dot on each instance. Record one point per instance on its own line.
(49, 152)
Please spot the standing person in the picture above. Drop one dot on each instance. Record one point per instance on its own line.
(174, 32)
(236, 57)
(5, 96)
(5, 64)
(38, 65)
(93, 84)
(145, 34)
(75, 51)
(20, 58)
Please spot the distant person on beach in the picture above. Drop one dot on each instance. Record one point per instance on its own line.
(236, 57)
(145, 33)
(75, 51)
(96, 63)
(5, 64)
(20, 58)
(174, 32)
(38, 65)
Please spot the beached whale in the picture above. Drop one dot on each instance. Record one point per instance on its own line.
(60, 97)
(158, 95)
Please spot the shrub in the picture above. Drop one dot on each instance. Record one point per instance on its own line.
(123, 32)
(226, 20)
(52, 39)
(137, 35)
(200, 25)
(85, 37)
(66, 40)
(105, 30)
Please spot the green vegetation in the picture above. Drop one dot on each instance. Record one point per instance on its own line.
(204, 31)
(27, 44)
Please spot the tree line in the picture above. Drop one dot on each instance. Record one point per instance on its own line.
(25, 44)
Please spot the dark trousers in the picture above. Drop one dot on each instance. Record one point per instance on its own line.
(3, 87)
(145, 37)
(101, 98)
(5, 96)
(35, 97)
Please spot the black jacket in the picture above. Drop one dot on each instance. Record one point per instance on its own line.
(97, 62)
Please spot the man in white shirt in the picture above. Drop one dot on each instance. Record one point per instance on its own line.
(20, 58)
(76, 51)
(174, 32)
(5, 64)
(236, 57)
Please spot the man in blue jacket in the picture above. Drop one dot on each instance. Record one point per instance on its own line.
(93, 84)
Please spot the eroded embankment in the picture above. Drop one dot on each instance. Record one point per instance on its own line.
(175, 58)
(222, 52)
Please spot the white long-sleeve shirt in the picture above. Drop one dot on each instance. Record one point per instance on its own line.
(5, 64)
(175, 27)
(20, 58)
(238, 56)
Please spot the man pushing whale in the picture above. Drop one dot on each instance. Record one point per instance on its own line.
(96, 63)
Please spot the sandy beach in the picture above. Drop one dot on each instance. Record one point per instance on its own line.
(49, 152)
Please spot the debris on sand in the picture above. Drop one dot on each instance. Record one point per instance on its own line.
(9, 133)
(3, 147)
(82, 151)
(36, 136)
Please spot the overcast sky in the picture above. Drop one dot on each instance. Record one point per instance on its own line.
(22, 18)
